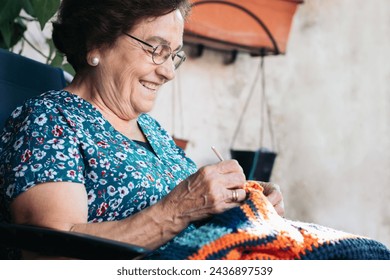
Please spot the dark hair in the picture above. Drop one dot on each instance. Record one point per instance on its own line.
(83, 25)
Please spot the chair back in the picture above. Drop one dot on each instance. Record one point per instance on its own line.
(22, 78)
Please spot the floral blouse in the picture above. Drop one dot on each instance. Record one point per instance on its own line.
(60, 137)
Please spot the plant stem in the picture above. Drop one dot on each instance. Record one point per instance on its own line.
(35, 48)
(27, 19)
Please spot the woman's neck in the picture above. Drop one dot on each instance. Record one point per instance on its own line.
(87, 90)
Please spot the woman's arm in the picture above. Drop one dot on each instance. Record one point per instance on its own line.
(64, 206)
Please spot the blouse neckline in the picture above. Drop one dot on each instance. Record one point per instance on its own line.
(111, 128)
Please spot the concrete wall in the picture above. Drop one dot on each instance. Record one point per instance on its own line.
(329, 97)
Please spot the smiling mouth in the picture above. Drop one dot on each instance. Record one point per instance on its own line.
(150, 86)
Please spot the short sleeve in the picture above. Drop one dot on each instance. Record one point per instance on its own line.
(39, 144)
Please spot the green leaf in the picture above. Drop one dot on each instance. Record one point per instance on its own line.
(6, 34)
(57, 60)
(27, 6)
(52, 48)
(9, 10)
(68, 68)
(45, 10)
(10, 34)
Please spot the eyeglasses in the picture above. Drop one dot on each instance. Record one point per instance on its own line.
(162, 52)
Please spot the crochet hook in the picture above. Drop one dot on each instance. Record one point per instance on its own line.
(217, 153)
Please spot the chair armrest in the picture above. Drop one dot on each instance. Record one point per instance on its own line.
(67, 244)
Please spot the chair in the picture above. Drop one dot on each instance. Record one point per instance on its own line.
(66, 244)
(22, 78)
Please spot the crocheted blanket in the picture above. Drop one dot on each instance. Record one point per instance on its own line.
(255, 231)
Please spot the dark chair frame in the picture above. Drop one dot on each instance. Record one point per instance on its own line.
(52, 243)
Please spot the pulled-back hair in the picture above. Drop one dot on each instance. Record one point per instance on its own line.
(83, 25)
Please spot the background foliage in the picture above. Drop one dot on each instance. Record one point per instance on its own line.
(14, 17)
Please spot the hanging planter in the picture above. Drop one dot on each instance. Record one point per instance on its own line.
(257, 164)
(257, 27)
(260, 27)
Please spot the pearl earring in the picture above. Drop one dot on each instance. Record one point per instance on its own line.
(95, 61)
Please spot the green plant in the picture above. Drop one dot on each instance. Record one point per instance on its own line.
(15, 15)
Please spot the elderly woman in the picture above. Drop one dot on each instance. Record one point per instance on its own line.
(88, 158)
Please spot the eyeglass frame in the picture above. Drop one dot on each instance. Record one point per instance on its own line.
(182, 56)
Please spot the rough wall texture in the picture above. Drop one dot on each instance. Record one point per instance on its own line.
(329, 96)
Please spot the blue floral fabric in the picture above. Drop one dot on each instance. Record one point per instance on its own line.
(60, 137)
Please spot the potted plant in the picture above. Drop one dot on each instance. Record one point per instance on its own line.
(255, 26)
(17, 15)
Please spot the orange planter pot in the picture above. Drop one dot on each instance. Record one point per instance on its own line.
(182, 143)
(259, 27)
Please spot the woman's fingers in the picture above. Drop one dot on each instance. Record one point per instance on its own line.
(212, 189)
(229, 166)
(217, 177)
(225, 174)
(235, 196)
(274, 196)
(269, 187)
(279, 208)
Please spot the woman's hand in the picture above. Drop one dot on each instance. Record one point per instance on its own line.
(211, 190)
(274, 195)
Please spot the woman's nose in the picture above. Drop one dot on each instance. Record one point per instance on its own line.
(167, 69)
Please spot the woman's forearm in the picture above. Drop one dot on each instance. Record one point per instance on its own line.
(149, 228)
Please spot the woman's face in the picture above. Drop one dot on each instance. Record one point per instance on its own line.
(129, 79)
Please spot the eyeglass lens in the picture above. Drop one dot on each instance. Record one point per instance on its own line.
(162, 52)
